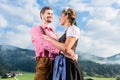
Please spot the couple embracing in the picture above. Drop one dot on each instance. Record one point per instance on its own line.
(56, 59)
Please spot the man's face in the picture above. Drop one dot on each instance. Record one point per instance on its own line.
(47, 16)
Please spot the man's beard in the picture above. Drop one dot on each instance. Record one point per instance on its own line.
(49, 21)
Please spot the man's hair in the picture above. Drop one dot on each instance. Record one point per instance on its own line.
(45, 8)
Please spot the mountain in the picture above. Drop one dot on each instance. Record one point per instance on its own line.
(90, 57)
(12, 53)
(17, 59)
(115, 59)
(14, 58)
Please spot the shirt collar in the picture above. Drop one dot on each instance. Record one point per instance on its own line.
(46, 27)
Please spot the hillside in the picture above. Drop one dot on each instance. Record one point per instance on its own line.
(13, 58)
(115, 59)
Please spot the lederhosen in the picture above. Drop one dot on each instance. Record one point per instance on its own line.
(44, 66)
(73, 70)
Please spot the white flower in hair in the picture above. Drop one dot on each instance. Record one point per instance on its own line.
(66, 8)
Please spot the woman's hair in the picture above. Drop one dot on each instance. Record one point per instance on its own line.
(71, 15)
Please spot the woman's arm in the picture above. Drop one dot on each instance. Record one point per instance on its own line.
(70, 41)
(59, 45)
(65, 47)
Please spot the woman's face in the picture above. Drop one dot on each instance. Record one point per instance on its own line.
(62, 19)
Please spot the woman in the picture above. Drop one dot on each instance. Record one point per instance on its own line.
(67, 43)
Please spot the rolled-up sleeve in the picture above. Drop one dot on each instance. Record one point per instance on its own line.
(41, 44)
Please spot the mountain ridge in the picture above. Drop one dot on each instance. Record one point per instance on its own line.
(114, 59)
(16, 59)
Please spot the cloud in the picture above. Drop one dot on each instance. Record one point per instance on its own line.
(99, 27)
(102, 3)
(53, 2)
(100, 38)
(105, 13)
(3, 22)
(97, 46)
(19, 37)
(19, 16)
(23, 11)
(118, 2)
(80, 6)
(100, 33)
(56, 22)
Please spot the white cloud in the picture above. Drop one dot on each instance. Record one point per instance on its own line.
(105, 13)
(102, 3)
(20, 14)
(26, 11)
(103, 48)
(55, 22)
(99, 36)
(19, 37)
(53, 1)
(118, 2)
(80, 6)
(3, 22)
(84, 19)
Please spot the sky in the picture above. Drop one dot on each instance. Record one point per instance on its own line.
(98, 20)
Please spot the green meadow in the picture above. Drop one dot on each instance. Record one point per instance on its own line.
(25, 76)
(30, 76)
(96, 78)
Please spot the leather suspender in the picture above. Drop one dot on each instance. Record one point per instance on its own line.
(46, 51)
(42, 30)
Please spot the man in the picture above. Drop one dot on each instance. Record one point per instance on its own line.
(45, 51)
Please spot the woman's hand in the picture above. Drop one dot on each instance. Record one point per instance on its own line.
(72, 55)
(75, 56)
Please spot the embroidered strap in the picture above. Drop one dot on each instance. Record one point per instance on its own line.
(45, 51)
(42, 30)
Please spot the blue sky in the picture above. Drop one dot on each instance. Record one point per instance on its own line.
(98, 20)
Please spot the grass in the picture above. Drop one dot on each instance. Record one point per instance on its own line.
(26, 76)
(8, 79)
(96, 78)
(30, 76)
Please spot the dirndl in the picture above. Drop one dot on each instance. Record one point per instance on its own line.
(73, 70)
